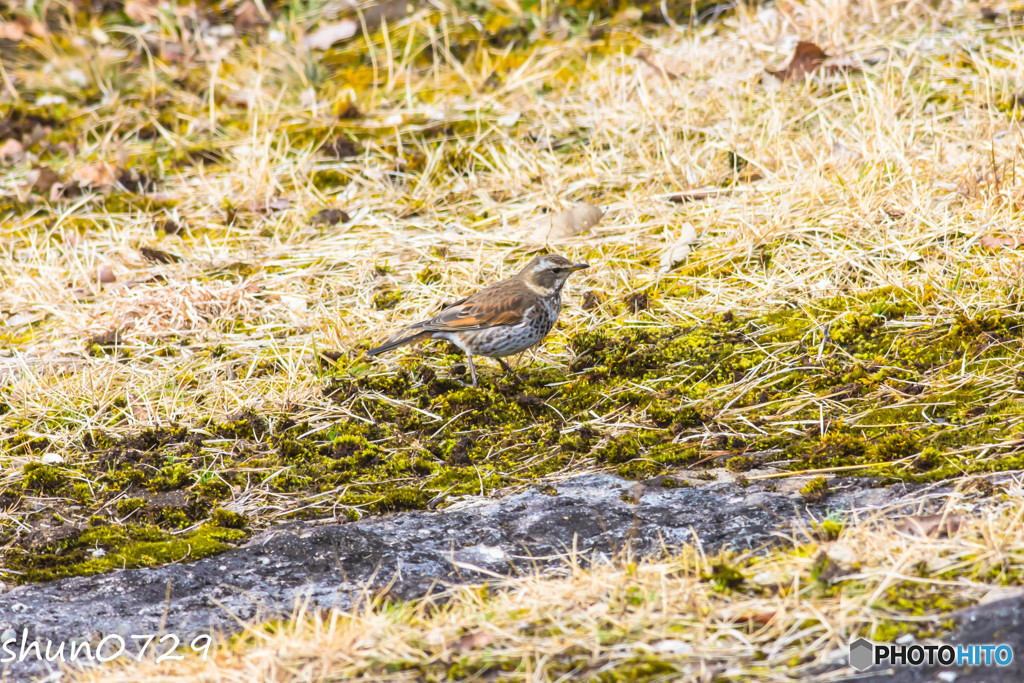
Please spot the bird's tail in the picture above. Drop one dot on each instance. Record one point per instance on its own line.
(400, 339)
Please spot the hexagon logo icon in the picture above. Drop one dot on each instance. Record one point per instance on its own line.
(861, 654)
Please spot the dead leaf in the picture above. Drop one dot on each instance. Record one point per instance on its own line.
(12, 30)
(807, 57)
(108, 338)
(997, 243)
(330, 217)
(684, 197)
(158, 255)
(762, 618)
(37, 134)
(326, 36)
(17, 29)
(894, 212)
(37, 28)
(476, 640)
(566, 223)
(681, 249)
(142, 11)
(930, 525)
(171, 227)
(11, 150)
(248, 17)
(590, 300)
(96, 175)
(269, 205)
(105, 274)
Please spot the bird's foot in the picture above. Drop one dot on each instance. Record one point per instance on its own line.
(458, 373)
(510, 374)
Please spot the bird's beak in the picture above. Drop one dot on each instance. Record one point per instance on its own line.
(580, 266)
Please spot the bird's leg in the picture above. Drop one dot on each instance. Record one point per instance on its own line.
(469, 357)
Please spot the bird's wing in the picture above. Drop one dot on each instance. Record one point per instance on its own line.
(496, 305)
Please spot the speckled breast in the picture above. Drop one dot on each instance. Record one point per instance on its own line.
(511, 339)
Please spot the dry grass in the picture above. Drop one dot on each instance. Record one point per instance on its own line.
(921, 134)
(856, 181)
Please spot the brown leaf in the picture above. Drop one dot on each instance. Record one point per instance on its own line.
(11, 150)
(96, 175)
(930, 525)
(61, 191)
(12, 30)
(158, 255)
(474, 641)
(807, 57)
(248, 17)
(269, 205)
(105, 274)
(142, 11)
(171, 227)
(37, 134)
(390, 10)
(15, 30)
(685, 197)
(108, 338)
(326, 36)
(997, 243)
(330, 217)
(567, 223)
(762, 618)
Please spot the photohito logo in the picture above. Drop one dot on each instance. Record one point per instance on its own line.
(864, 653)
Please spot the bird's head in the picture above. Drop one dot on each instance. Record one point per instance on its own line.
(547, 273)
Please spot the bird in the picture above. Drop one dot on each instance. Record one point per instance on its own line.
(500, 320)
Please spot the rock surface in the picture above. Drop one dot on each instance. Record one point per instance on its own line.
(415, 552)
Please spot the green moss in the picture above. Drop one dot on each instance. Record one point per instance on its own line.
(172, 477)
(422, 436)
(815, 490)
(126, 506)
(386, 299)
(329, 179)
(42, 478)
(726, 577)
(227, 519)
(103, 548)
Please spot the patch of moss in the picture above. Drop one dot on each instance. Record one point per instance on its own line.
(42, 478)
(815, 490)
(103, 548)
(386, 299)
(422, 435)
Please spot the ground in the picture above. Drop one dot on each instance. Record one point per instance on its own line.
(210, 212)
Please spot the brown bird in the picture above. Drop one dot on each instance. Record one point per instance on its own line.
(501, 320)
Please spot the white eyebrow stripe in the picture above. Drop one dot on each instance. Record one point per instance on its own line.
(536, 289)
